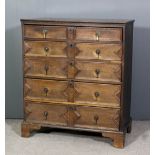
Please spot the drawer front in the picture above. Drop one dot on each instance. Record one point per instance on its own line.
(47, 90)
(97, 94)
(95, 118)
(45, 48)
(51, 32)
(99, 34)
(99, 51)
(98, 71)
(73, 116)
(45, 68)
(51, 114)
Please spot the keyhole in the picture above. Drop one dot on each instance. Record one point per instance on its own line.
(71, 63)
(71, 83)
(71, 45)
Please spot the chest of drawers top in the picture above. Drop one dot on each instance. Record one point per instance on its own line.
(90, 30)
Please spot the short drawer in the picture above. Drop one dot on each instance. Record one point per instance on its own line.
(44, 113)
(95, 118)
(45, 48)
(97, 94)
(45, 68)
(43, 32)
(99, 34)
(46, 90)
(98, 71)
(99, 51)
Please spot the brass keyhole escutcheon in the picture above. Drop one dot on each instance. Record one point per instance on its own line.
(71, 30)
(71, 63)
(71, 83)
(71, 45)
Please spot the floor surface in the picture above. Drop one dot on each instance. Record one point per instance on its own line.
(58, 142)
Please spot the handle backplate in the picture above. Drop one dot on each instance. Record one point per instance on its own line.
(45, 114)
(97, 71)
(46, 91)
(45, 33)
(96, 118)
(46, 68)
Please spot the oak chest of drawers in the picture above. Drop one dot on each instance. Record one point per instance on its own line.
(77, 75)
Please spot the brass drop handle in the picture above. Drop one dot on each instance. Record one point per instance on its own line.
(98, 52)
(96, 118)
(46, 91)
(46, 49)
(44, 33)
(46, 68)
(97, 71)
(97, 36)
(97, 94)
(45, 114)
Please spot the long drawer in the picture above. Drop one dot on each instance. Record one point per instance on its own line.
(92, 94)
(74, 116)
(88, 51)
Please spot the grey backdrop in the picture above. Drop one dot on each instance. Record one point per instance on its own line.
(115, 9)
